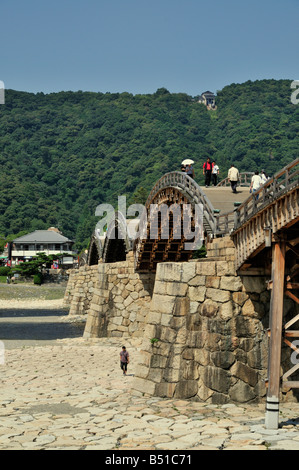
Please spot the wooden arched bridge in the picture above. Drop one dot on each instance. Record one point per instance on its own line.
(173, 188)
(264, 227)
(250, 219)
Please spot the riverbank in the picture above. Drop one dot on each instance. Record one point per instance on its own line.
(34, 316)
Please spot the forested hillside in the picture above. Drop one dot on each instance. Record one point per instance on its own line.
(62, 154)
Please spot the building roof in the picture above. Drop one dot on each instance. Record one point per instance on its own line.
(207, 93)
(42, 236)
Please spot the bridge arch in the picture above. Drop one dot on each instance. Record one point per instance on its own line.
(95, 249)
(162, 235)
(117, 240)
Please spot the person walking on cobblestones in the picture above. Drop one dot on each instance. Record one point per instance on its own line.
(124, 360)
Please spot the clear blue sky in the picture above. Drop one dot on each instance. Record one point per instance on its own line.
(138, 46)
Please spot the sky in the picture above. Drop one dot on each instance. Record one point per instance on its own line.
(138, 46)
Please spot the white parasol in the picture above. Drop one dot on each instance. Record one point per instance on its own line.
(187, 162)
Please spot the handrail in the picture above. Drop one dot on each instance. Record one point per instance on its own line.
(244, 179)
(188, 186)
(282, 182)
(222, 224)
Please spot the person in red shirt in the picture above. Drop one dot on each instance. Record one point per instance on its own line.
(207, 171)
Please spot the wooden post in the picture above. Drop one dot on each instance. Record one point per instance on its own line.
(276, 318)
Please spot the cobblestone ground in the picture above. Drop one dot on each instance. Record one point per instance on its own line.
(70, 394)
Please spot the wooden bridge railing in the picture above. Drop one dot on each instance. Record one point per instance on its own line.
(244, 179)
(221, 224)
(191, 189)
(281, 183)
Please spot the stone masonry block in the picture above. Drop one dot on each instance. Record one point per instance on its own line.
(186, 389)
(225, 268)
(160, 287)
(209, 308)
(240, 297)
(212, 281)
(245, 373)
(197, 294)
(181, 306)
(198, 281)
(141, 371)
(231, 283)
(162, 304)
(168, 271)
(206, 268)
(144, 386)
(154, 318)
(226, 310)
(218, 295)
(176, 288)
(155, 374)
(165, 390)
(254, 284)
(188, 271)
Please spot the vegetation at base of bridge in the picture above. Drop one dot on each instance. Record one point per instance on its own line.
(63, 154)
(34, 268)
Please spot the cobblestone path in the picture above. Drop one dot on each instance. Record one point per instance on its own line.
(69, 393)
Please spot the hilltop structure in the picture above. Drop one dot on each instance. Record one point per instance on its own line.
(208, 99)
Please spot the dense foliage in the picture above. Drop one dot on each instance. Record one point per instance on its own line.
(62, 154)
(37, 265)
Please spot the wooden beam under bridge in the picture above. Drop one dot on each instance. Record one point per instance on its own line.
(276, 318)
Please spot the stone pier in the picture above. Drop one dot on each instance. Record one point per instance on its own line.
(114, 297)
(205, 334)
(202, 327)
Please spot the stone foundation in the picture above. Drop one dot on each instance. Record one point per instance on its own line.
(115, 299)
(205, 334)
(203, 327)
(221, 248)
(80, 288)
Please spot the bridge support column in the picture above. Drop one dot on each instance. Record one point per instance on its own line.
(276, 319)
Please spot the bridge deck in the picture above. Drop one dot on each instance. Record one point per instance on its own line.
(222, 198)
(243, 215)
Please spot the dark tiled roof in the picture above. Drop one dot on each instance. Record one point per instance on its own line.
(42, 236)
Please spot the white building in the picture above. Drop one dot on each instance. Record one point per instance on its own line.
(208, 99)
(50, 242)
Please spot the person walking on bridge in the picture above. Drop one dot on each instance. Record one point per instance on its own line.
(233, 177)
(256, 183)
(215, 173)
(207, 171)
(190, 171)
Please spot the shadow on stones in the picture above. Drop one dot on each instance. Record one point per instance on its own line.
(55, 409)
(291, 421)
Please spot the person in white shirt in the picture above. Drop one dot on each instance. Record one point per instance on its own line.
(256, 183)
(233, 177)
(264, 177)
(215, 173)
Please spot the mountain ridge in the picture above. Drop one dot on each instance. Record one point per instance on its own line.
(62, 154)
